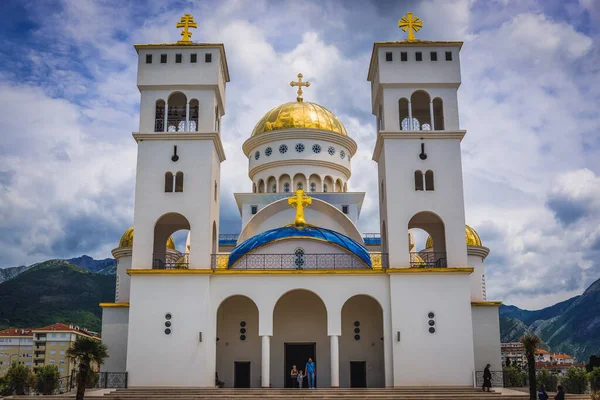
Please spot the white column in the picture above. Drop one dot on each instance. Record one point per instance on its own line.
(166, 119)
(266, 361)
(335, 360)
(187, 116)
(410, 121)
(431, 115)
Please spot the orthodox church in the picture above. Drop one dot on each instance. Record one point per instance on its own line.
(300, 280)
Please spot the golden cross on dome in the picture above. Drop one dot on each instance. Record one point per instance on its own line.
(300, 201)
(187, 22)
(299, 84)
(410, 23)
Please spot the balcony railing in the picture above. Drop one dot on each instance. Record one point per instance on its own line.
(428, 259)
(171, 261)
(290, 261)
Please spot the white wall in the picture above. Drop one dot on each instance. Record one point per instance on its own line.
(230, 347)
(201, 167)
(486, 338)
(477, 289)
(403, 202)
(124, 281)
(115, 323)
(179, 359)
(369, 348)
(444, 358)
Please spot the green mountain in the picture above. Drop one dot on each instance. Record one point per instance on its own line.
(55, 291)
(9, 273)
(571, 326)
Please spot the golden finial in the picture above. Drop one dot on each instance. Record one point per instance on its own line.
(299, 84)
(300, 201)
(187, 22)
(410, 24)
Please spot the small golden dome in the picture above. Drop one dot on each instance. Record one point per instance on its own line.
(304, 115)
(127, 240)
(472, 238)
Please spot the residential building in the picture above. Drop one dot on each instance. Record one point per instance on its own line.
(16, 345)
(514, 351)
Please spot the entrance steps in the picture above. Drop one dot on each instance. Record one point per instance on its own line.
(409, 393)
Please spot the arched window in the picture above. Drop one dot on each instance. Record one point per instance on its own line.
(286, 187)
(159, 116)
(299, 186)
(324, 188)
(313, 187)
(215, 240)
(420, 108)
(429, 180)
(168, 182)
(215, 190)
(194, 113)
(254, 188)
(438, 114)
(274, 188)
(418, 180)
(179, 181)
(403, 114)
(176, 114)
(261, 186)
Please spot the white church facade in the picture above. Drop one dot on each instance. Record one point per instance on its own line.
(300, 280)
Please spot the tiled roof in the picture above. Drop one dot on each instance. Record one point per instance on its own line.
(541, 351)
(559, 355)
(17, 332)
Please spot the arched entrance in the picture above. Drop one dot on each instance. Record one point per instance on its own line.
(361, 343)
(299, 332)
(238, 343)
(433, 256)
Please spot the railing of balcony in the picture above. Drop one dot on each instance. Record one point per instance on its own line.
(228, 239)
(372, 238)
(428, 259)
(170, 261)
(291, 261)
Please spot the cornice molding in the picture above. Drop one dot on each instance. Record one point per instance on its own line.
(297, 134)
(169, 271)
(304, 163)
(479, 251)
(121, 252)
(114, 305)
(450, 270)
(414, 135)
(214, 136)
(486, 303)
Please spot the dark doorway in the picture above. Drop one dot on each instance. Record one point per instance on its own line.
(297, 354)
(358, 374)
(241, 374)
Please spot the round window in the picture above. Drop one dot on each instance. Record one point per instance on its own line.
(299, 147)
(168, 316)
(342, 154)
(283, 148)
(316, 148)
(268, 151)
(168, 331)
(331, 150)
(257, 155)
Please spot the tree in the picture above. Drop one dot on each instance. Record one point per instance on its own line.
(531, 343)
(575, 380)
(546, 378)
(19, 378)
(594, 362)
(594, 378)
(507, 362)
(85, 352)
(47, 379)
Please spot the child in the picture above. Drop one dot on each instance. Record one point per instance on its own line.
(300, 379)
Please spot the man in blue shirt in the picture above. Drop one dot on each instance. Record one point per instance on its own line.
(310, 373)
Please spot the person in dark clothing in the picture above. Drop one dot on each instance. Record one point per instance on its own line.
(487, 379)
(560, 395)
(542, 395)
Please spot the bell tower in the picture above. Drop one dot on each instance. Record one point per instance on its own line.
(414, 87)
(182, 88)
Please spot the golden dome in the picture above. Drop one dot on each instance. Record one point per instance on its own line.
(127, 240)
(302, 115)
(472, 238)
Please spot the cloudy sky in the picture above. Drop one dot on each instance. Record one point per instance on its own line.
(529, 101)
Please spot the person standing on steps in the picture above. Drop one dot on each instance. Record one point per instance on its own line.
(294, 376)
(560, 395)
(487, 378)
(310, 373)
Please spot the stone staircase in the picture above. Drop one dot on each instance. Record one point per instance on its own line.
(435, 393)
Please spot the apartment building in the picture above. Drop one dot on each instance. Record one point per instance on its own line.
(16, 344)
